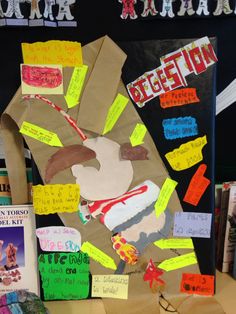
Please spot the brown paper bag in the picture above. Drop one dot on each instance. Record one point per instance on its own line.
(105, 61)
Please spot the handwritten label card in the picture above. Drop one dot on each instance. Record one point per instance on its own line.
(56, 198)
(164, 195)
(138, 134)
(178, 262)
(179, 97)
(195, 225)
(40, 134)
(59, 239)
(110, 286)
(187, 155)
(66, 53)
(174, 243)
(116, 109)
(41, 79)
(197, 186)
(76, 85)
(197, 284)
(98, 255)
(65, 276)
(179, 127)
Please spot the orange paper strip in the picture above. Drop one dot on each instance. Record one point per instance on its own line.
(197, 186)
(197, 284)
(179, 97)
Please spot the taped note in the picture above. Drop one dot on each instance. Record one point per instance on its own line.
(114, 112)
(138, 134)
(98, 255)
(179, 97)
(40, 134)
(164, 196)
(179, 127)
(41, 79)
(76, 85)
(59, 239)
(194, 225)
(56, 198)
(197, 284)
(197, 186)
(66, 53)
(65, 276)
(187, 155)
(110, 286)
(174, 243)
(178, 262)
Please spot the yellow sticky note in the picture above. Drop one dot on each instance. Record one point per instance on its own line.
(164, 195)
(98, 255)
(40, 134)
(76, 85)
(66, 53)
(114, 112)
(138, 134)
(187, 155)
(110, 286)
(178, 262)
(174, 243)
(56, 198)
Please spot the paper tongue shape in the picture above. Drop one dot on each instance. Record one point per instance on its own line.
(128, 152)
(65, 157)
(112, 179)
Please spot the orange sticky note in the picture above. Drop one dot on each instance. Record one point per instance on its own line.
(197, 284)
(197, 186)
(179, 97)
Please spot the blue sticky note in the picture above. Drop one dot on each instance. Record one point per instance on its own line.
(179, 127)
(195, 225)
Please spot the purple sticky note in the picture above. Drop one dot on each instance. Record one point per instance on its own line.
(195, 225)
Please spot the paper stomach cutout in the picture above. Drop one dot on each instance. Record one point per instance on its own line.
(112, 179)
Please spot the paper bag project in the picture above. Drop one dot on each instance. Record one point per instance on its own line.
(126, 190)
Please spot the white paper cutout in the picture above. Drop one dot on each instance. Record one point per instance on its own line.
(64, 10)
(128, 9)
(186, 7)
(167, 8)
(14, 8)
(149, 8)
(222, 6)
(1, 11)
(226, 98)
(112, 179)
(34, 10)
(48, 9)
(203, 7)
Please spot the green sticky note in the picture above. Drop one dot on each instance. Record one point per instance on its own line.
(40, 134)
(76, 85)
(164, 196)
(98, 255)
(65, 276)
(114, 112)
(178, 262)
(138, 134)
(174, 243)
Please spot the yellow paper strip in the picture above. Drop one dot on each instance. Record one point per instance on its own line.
(98, 255)
(76, 85)
(174, 243)
(164, 196)
(66, 53)
(138, 134)
(114, 112)
(178, 262)
(40, 134)
(187, 155)
(56, 198)
(110, 286)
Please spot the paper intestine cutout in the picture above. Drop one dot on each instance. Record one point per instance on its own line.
(202, 7)
(128, 9)
(148, 8)
(167, 8)
(112, 179)
(186, 7)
